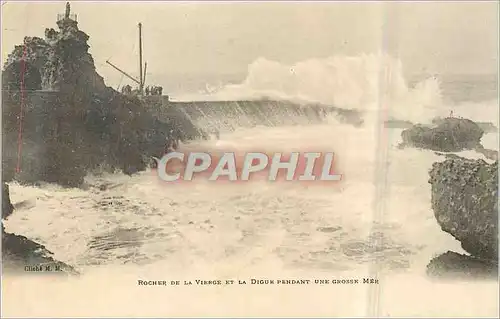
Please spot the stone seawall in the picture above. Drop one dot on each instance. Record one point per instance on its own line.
(227, 115)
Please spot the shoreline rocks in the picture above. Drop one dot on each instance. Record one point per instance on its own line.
(452, 265)
(489, 154)
(7, 207)
(21, 255)
(446, 135)
(465, 204)
(487, 127)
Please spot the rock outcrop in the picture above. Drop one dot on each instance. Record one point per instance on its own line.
(489, 154)
(22, 255)
(446, 135)
(71, 121)
(487, 127)
(452, 265)
(393, 123)
(7, 207)
(465, 204)
(60, 62)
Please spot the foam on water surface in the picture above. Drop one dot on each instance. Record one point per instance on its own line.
(379, 217)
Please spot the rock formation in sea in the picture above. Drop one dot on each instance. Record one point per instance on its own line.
(489, 154)
(393, 123)
(452, 265)
(22, 255)
(7, 207)
(487, 127)
(445, 135)
(71, 122)
(465, 203)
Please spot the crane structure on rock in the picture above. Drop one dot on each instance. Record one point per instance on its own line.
(142, 74)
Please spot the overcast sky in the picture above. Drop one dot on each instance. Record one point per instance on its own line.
(216, 39)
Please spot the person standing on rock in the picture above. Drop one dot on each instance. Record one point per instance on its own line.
(169, 147)
(172, 142)
(160, 89)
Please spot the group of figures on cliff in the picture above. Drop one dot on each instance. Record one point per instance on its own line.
(149, 90)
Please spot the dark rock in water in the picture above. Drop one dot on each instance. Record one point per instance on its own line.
(487, 127)
(452, 265)
(398, 124)
(447, 135)
(449, 155)
(489, 154)
(465, 203)
(7, 207)
(22, 255)
(329, 229)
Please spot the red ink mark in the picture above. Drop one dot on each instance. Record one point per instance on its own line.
(20, 133)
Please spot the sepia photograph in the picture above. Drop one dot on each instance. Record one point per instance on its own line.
(249, 159)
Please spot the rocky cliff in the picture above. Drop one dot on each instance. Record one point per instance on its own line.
(60, 62)
(465, 204)
(71, 121)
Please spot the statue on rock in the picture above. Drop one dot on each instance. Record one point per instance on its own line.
(68, 10)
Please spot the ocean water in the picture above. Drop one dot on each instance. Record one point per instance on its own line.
(376, 223)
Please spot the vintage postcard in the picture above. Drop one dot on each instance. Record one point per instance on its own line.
(249, 159)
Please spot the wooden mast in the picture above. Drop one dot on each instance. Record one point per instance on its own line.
(141, 76)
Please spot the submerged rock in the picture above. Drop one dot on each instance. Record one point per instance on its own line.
(452, 265)
(447, 135)
(465, 203)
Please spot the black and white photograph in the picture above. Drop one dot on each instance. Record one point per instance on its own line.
(249, 159)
